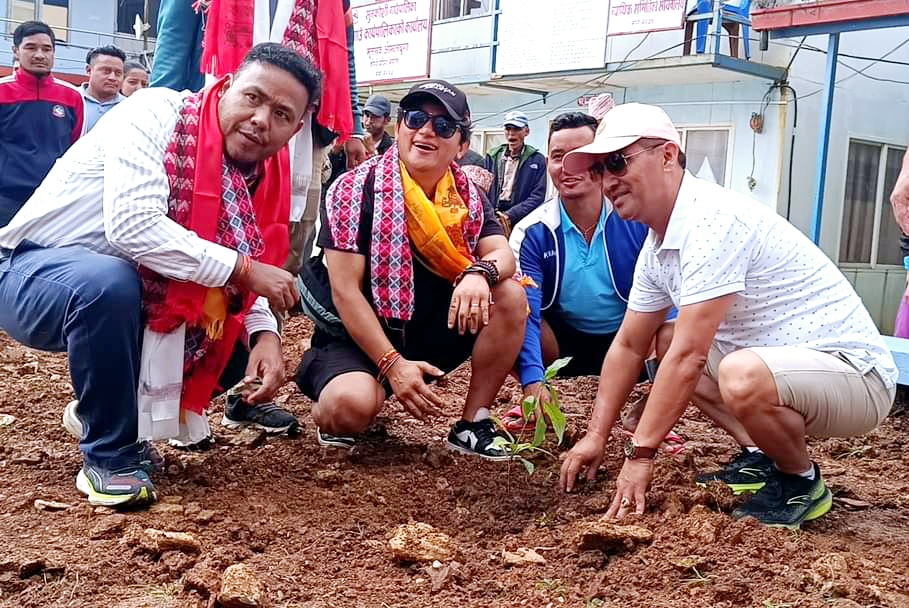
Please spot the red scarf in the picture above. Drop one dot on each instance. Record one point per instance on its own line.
(208, 195)
(390, 257)
(317, 30)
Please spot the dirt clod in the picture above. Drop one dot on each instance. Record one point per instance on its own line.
(608, 537)
(420, 542)
(522, 557)
(159, 541)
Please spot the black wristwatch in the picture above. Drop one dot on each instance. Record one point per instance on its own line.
(634, 451)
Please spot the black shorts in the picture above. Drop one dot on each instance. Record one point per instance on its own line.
(587, 351)
(425, 337)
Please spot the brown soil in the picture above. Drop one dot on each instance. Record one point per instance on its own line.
(314, 523)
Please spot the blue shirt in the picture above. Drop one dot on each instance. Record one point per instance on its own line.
(588, 300)
(95, 109)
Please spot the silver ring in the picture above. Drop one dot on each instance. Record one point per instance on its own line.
(626, 502)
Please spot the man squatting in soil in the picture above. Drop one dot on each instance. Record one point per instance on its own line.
(420, 279)
(771, 341)
(210, 240)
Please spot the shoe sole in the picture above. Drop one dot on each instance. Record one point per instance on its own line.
(333, 444)
(457, 448)
(271, 430)
(821, 507)
(112, 500)
(71, 421)
(737, 488)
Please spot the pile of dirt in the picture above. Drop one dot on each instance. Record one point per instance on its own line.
(312, 526)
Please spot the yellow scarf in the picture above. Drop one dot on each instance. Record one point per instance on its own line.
(436, 228)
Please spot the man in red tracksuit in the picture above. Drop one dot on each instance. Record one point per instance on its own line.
(40, 117)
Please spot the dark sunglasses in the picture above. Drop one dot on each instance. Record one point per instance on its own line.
(443, 126)
(617, 162)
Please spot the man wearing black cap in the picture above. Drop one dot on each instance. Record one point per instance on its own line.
(376, 116)
(417, 279)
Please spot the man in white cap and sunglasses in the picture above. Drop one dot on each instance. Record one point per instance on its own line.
(417, 279)
(771, 341)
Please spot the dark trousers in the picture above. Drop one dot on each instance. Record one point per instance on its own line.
(8, 209)
(89, 305)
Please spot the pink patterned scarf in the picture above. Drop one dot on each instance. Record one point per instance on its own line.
(390, 256)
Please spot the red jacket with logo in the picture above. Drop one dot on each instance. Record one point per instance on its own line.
(40, 118)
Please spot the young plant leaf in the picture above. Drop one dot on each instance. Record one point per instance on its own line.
(554, 368)
(527, 465)
(528, 406)
(539, 431)
(556, 417)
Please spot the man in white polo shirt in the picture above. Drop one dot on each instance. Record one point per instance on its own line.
(771, 341)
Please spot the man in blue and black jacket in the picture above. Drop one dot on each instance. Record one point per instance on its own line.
(40, 117)
(519, 173)
(580, 257)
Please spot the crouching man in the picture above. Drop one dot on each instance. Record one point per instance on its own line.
(771, 341)
(194, 189)
(419, 274)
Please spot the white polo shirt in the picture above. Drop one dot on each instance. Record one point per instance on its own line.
(789, 293)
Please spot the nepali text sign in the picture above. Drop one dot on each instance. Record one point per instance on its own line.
(547, 36)
(638, 16)
(391, 40)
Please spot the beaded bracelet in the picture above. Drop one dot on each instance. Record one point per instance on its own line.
(485, 267)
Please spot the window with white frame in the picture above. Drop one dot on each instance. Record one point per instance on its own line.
(453, 9)
(128, 10)
(707, 150)
(869, 234)
(484, 140)
(55, 13)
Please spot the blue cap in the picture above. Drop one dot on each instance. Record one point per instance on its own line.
(517, 119)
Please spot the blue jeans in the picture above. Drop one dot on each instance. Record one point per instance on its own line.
(178, 49)
(89, 305)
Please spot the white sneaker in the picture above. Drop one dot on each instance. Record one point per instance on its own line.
(71, 421)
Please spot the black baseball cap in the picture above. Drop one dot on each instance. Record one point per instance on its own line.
(451, 97)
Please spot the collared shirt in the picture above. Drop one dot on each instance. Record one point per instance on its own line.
(109, 193)
(508, 171)
(788, 292)
(588, 300)
(95, 109)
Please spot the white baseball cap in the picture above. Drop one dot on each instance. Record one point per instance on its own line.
(622, 126)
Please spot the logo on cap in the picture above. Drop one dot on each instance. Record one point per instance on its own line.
(58, 111)
(438, 87)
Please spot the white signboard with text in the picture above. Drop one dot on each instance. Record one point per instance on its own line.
(391, 40)
(639, 16)
(547, 36)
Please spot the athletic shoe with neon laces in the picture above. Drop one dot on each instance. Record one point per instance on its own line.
(267, 416)
(150, 459)
(129, 486)
(477, 439)
(747, 472)
(787, 501)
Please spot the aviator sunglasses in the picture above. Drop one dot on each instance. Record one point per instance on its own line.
(444, 126)
(617, 162)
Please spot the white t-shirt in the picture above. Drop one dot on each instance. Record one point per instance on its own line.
(789, 293)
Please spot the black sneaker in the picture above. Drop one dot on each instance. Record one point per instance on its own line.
(335, 441)
(786, 501)
(150, 459)
(477, 439)
(747, 472)
(268, 416)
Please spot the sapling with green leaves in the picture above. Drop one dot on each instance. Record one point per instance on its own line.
(531, 408)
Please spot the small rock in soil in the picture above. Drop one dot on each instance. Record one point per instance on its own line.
(688, 562)
(829, 567)
(522, 557)
(164, 507)
(201, 578)
(204, 516)
(108, 527)
(6, 420)
(607, 536)
(241, 588)
(853, 504)
(420, 542)
(250, 437)
(50, 505)
(27, 459)
(159, 541)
